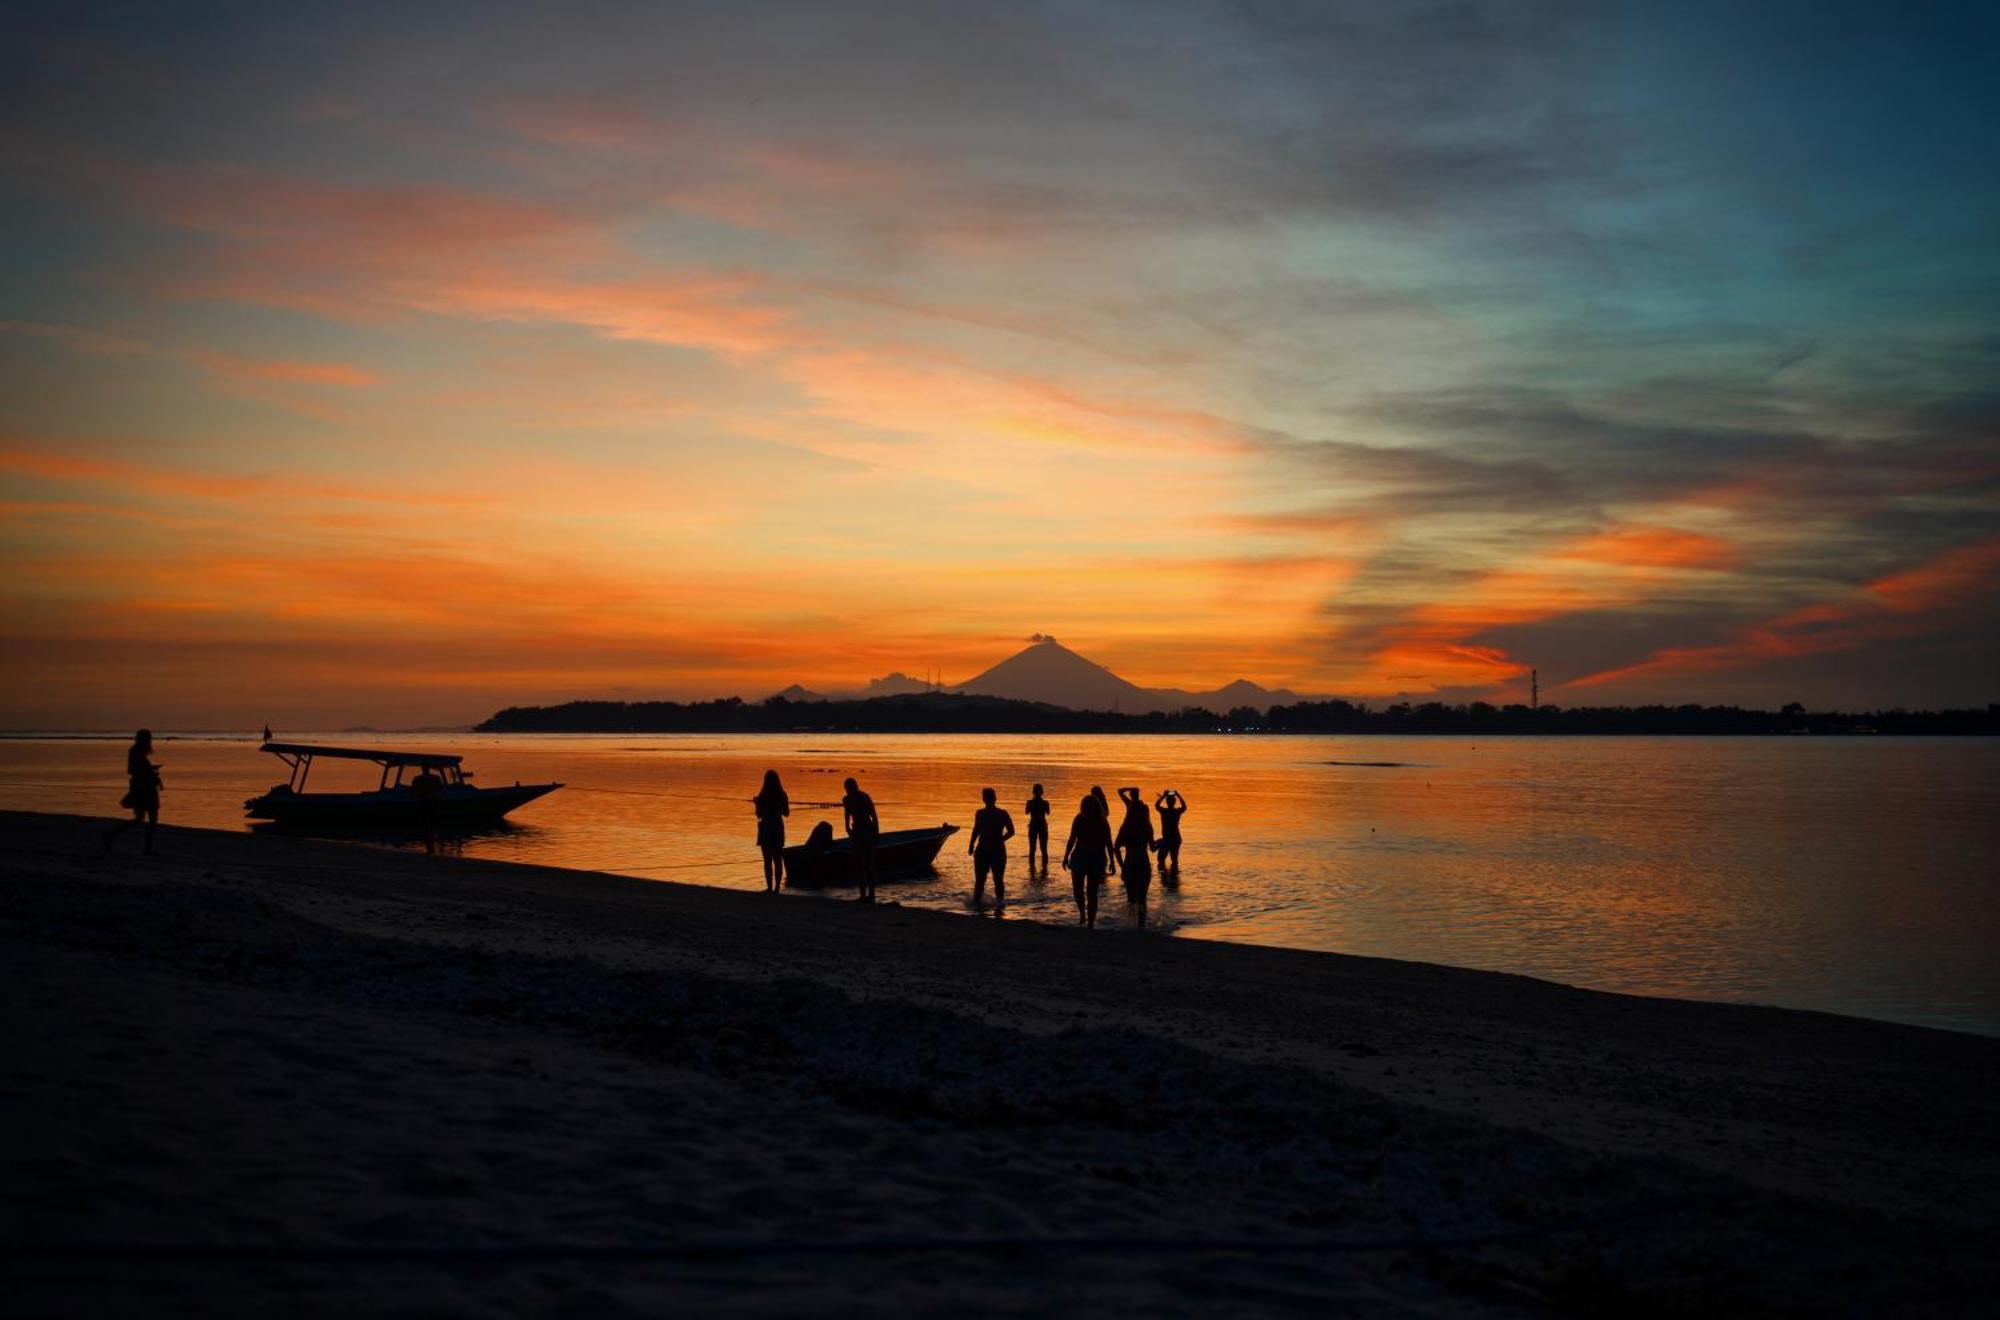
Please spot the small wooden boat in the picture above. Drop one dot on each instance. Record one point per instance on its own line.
(823, 860)
(438, 795)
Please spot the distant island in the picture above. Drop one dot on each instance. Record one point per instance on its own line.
(1048, 688)
(951, 712)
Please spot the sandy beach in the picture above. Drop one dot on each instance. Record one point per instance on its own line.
(257, 1073)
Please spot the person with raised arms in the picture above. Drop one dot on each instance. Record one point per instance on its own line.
(1134, 847)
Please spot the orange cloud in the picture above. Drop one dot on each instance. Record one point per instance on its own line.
(82, 339)
(1897, 605)
(37, 461)
(1612, 568)
(1940, 583)
(1652, 547)
(699, 311)
(341, 374)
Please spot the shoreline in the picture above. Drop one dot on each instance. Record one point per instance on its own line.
(926, 1078)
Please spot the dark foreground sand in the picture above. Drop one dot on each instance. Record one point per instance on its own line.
(258, 1075)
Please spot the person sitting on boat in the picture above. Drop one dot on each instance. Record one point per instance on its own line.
(773, 805)
(858, 813)
(991, 828)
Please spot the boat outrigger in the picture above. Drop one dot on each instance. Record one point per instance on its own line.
(447, 799)
(823, 860)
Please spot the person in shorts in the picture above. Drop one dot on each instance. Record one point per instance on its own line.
(772, 805)
(1038, 829)
(858, 813)
(1134, 847)
(991, 828)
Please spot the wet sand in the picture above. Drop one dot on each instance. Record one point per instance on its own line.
(259, 1073)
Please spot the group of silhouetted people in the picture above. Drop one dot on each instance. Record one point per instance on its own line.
(773, 805)
(1091, 854)
(1094, 851)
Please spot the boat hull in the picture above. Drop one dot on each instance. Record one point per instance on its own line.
(899, 854)
(396, 810)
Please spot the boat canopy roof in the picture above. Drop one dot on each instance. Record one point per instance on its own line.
(436, 760)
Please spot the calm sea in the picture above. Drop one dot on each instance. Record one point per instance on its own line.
(1851, 875)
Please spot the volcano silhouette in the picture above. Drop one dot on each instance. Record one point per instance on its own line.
(1049, 671)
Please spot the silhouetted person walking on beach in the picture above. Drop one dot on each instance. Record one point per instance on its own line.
(142, 797)
(991, 828)
(1038, 830)
(773, 805)
(267, 733)
(858, 812)
(1087, 854)
(1171, 806)
(1135, 851)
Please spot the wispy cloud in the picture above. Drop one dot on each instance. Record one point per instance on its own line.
(1371, 348)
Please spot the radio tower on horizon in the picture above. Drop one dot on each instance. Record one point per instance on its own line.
(1534, 689)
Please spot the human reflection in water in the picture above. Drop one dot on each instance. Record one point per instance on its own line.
(1171, 806)
(772, 805)
(142, 795)
(858, 812)
(1087, 854)
(1135, 852)
(991, 828)
(1038, 830)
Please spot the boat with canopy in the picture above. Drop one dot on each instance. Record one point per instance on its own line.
(418, 791)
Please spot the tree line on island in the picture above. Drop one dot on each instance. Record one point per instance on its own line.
(945, 712)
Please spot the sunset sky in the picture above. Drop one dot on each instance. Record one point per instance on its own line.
(396, 363)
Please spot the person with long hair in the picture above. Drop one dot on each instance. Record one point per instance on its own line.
(1087, 854)
(142, 797)
(772, 805)
(1134, 848)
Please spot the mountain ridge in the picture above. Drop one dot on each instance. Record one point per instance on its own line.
(1048, 673)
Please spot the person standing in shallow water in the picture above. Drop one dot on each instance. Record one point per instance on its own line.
(1087, 854)
(772, 805)
(991, 828)
(1038, 830)
(1171, 806)
(858, 812)
(142, 797)
(1135, 852)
